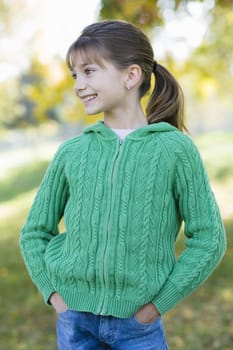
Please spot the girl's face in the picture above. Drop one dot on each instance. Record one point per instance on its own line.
(100, 86)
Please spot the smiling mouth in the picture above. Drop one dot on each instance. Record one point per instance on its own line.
(88, 98)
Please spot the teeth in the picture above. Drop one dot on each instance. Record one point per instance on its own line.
(89, 98)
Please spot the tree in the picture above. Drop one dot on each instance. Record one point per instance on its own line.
(207, 74)
(216, 47)
(144, 13)
(212, 60)
(44, 91)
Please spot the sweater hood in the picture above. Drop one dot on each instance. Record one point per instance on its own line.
(137, 134)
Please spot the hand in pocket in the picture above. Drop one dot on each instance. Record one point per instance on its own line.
(147, 314)
(58, 303)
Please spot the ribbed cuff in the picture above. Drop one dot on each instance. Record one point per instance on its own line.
(45, 286)
(167, 298)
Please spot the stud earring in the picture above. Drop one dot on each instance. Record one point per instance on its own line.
(127, 87)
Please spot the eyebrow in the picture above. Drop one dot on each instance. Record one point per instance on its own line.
(83, 65)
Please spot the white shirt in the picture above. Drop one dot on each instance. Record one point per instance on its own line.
(122, 133)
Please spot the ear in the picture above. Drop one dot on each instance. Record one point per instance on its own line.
(133, 77)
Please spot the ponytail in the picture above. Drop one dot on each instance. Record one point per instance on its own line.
(166, 102)
(124, 44)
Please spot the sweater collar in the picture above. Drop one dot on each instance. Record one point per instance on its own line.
(137, 134)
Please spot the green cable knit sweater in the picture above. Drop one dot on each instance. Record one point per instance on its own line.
(123, 206)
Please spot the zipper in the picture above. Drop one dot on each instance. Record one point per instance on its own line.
(105, 279)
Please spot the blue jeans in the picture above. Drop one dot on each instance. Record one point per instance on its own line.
(86, 331)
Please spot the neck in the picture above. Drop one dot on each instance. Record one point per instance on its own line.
(123, 120)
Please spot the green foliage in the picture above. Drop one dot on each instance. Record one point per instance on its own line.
(42, 92)
(45, 91)
(143, 13)
(24, 180)
(217, 158)
(48, 89)
(211, 63)
(9, 109)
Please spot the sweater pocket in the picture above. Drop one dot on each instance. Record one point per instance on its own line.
(61, 259)
(54, 254)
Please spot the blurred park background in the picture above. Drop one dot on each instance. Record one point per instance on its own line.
(38, 110)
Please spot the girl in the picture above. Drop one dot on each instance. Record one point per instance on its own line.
(124, 186)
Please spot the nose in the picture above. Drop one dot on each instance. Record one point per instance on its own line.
(80, 84)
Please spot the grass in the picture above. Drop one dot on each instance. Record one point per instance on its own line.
(201, 322)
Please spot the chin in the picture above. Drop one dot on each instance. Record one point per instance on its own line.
(93, 112)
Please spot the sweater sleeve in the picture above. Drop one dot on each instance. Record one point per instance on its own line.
(203, 227)
(42, 222)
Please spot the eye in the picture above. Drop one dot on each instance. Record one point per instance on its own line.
(88, 71)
